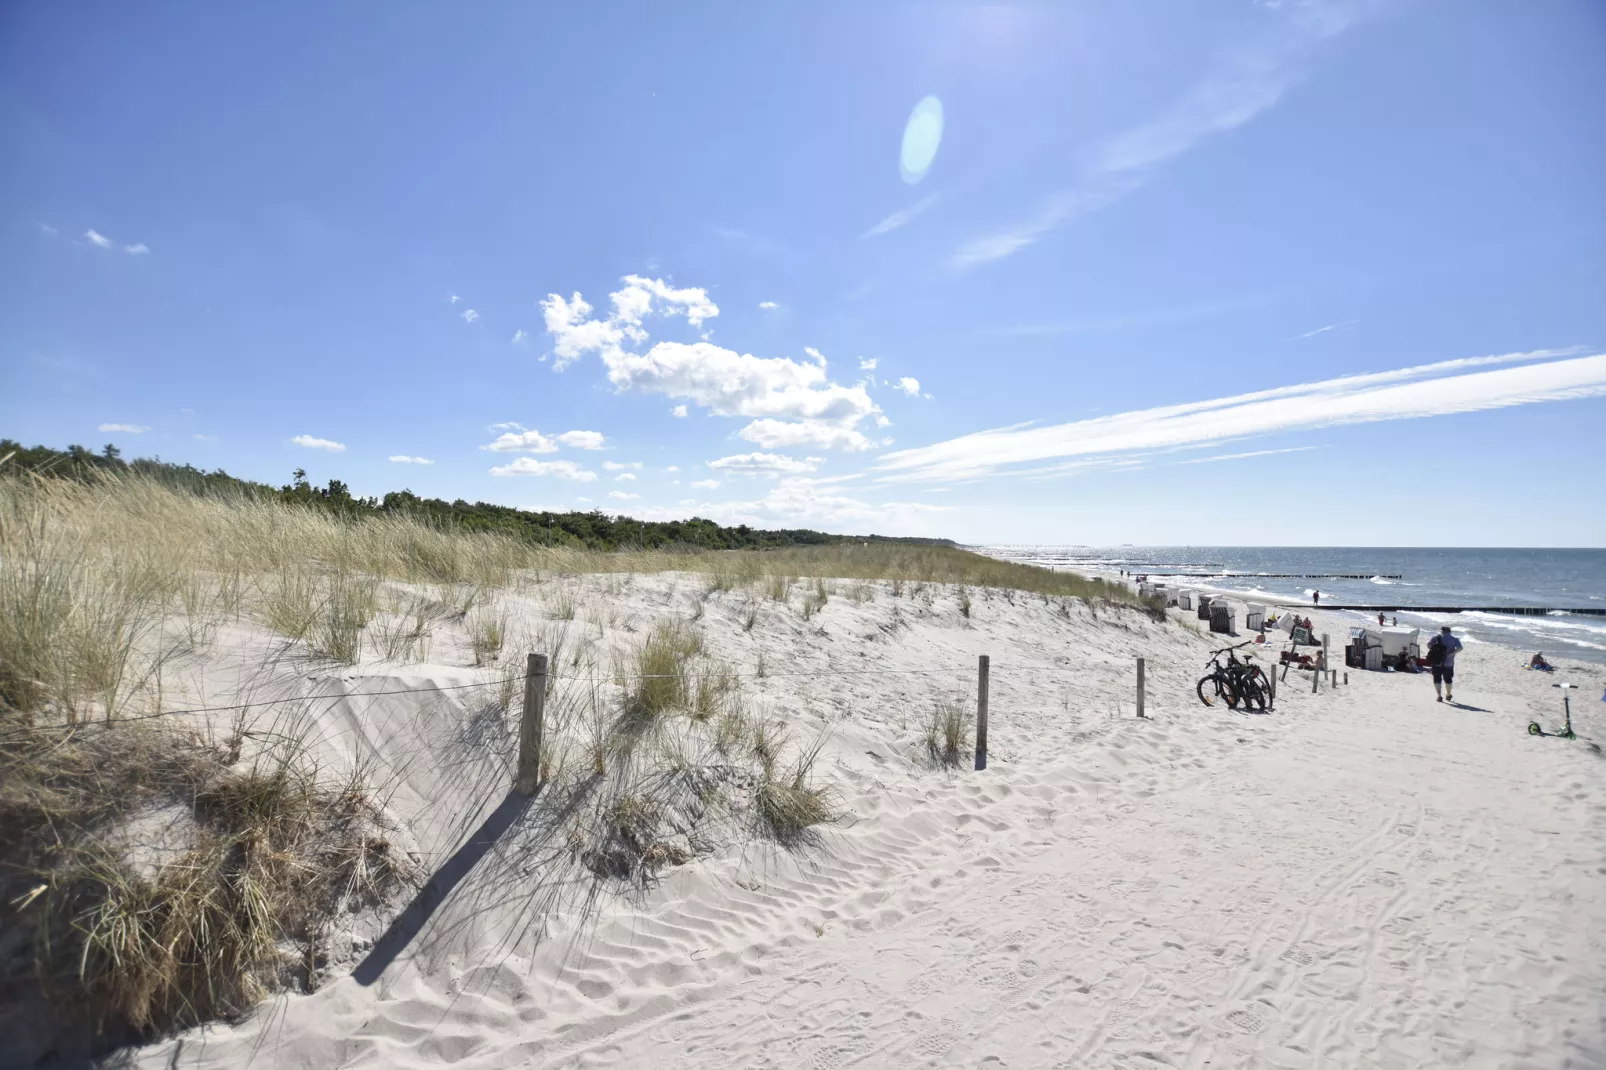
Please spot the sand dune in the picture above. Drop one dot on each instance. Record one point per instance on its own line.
(1363, 878)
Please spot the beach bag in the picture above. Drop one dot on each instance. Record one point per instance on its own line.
(1435, 651)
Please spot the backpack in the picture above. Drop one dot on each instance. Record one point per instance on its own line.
(1436, 651)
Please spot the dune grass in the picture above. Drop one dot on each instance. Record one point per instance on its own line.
(105, 582)
(947, 733)
(267, 854)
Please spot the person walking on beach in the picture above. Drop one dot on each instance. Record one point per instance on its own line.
(1316, 598)
(1442, 649)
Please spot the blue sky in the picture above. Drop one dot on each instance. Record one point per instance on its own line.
(1285, 273)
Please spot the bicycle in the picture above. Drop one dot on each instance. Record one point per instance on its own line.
(1236, 681)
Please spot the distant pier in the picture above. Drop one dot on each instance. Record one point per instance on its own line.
(1280, 575)
(1516, 611)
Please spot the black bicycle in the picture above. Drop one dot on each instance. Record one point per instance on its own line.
(1237, 681)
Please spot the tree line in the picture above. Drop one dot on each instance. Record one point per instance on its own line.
(593, 530)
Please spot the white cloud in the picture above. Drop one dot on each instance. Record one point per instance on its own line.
(582, 440)
(784, 434)
(469, 315)
(815, 353)
(706, 484)
(901, 217)
(625, 477)
(529, 466)
(765, 464)
(634, 302)
(622, 466)
(1241, 456)
(455, 299)
(725, 382)
(801, 500)
(622, 495)
(868, 364)
(136, 249)
(909, 386)
(402, 458)
(127, 429)
(1329, 327)
(204, 438)
(509, 425)
(768, 305)
(312, 442)
(678, 412)
(519, 336)
(673, 468)
(49, 230)
(1235, 91)
(98, 238)
(728, 383)
(1438, 389)
(521, 442)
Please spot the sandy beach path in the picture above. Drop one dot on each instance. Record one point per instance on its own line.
(1334, 885)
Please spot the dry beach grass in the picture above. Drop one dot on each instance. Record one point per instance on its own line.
(114, 590)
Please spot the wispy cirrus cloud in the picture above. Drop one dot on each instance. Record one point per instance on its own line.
(402, 458)
(127, 429)
(100, 240)
(901, 218)
(1330, 327)
(1234, 90)
(312, 442)
(1438, 389)
(1242, 456)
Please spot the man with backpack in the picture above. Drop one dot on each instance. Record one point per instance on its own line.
(1442, 649)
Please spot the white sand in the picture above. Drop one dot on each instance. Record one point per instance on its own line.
(1363, 878)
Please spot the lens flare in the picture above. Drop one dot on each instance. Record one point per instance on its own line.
(921, 136)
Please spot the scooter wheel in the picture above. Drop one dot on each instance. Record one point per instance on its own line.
(1534, 729)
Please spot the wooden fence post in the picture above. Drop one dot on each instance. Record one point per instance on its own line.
(528, 779)
(981, 711)
(1273, 700)
(1315, 680)
(1324, 651)
(1140, 687)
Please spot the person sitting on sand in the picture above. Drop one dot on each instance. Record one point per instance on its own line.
(1538, 662)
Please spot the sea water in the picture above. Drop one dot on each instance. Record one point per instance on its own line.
(1553, 579)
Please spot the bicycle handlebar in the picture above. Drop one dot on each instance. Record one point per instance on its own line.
(1240, 646)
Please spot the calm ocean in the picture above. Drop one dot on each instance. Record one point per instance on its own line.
(1563, 579)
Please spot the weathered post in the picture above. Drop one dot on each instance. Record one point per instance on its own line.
(1273, 699)
(981, 712)
(528, 779)
(1315, 680)
(1140, 688)
(1324, 651)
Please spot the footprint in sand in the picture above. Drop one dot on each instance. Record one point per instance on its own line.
(1246, 1021)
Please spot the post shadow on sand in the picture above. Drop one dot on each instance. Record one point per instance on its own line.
(410, 922)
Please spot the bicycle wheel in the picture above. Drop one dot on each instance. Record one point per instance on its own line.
(1255, 689)
(1215, 688)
